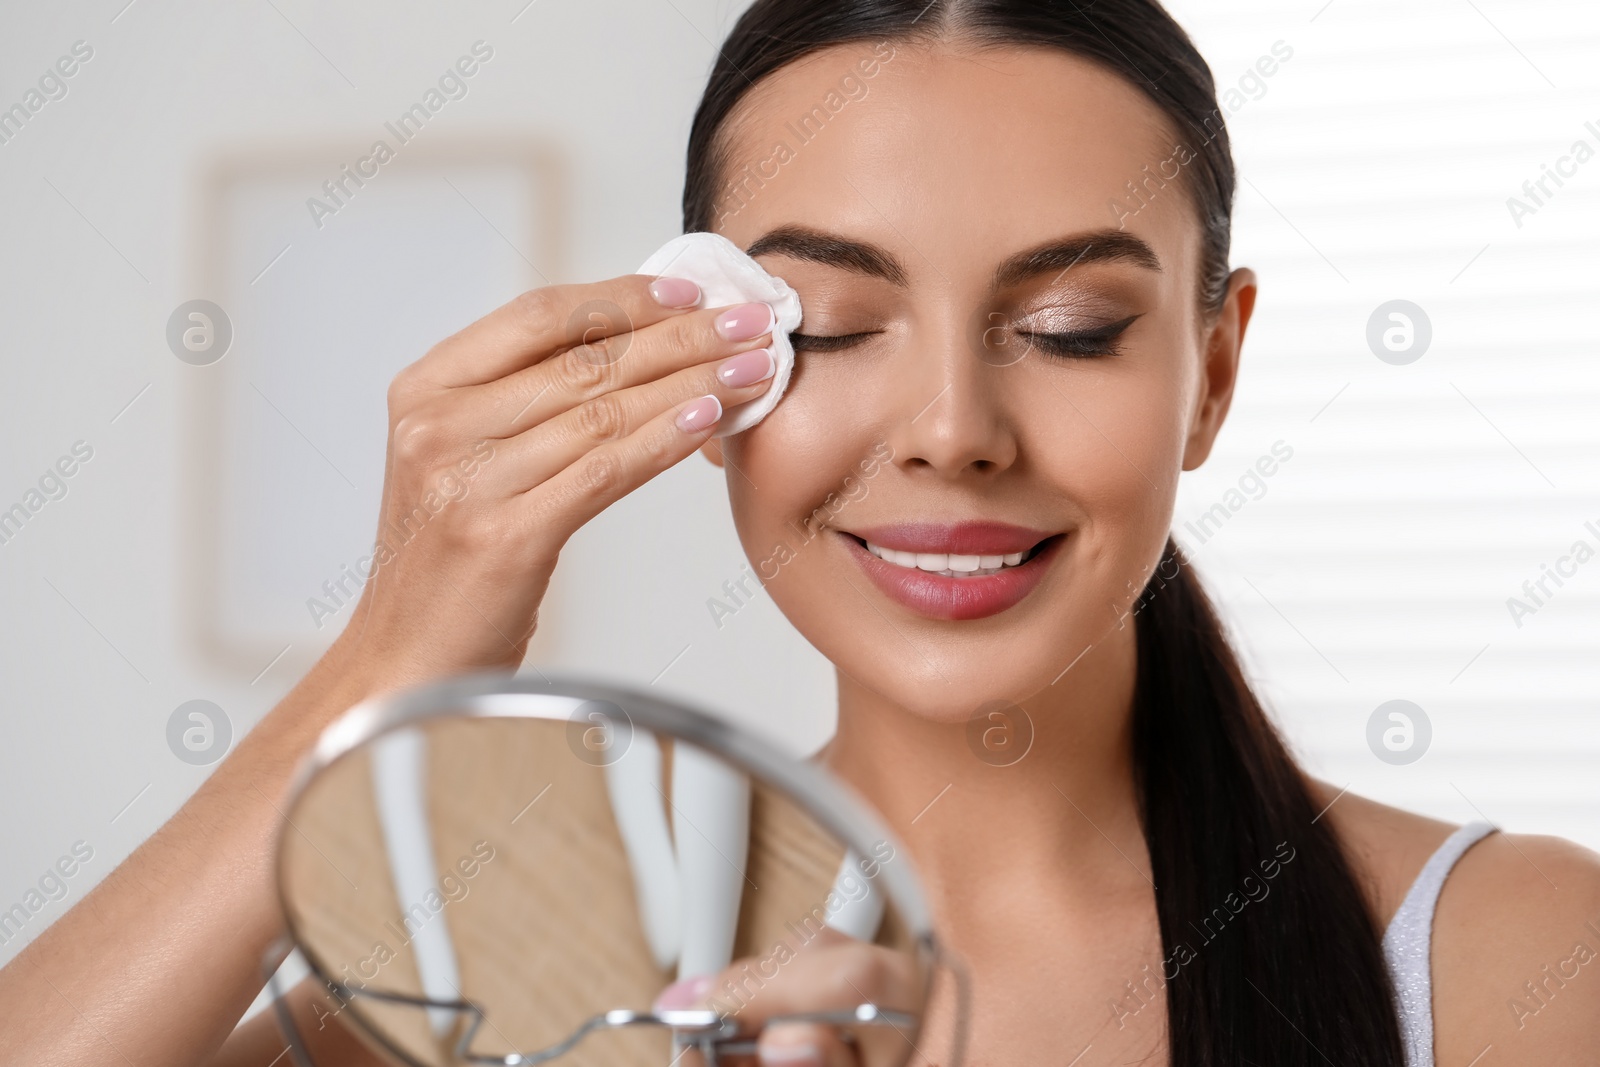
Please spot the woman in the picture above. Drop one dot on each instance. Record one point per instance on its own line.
(1008, 224)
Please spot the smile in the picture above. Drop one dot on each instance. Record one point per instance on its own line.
(949, 564)
(954, 572)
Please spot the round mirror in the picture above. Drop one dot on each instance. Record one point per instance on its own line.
(502, 871)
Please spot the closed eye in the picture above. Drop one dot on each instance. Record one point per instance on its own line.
(805, 342)
(1080, 344)
(1075, 344)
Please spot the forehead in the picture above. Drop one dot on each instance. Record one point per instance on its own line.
(958, 151)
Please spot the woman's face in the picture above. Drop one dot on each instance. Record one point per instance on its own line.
(997, 329)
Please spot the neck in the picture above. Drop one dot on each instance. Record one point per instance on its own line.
(987, 813)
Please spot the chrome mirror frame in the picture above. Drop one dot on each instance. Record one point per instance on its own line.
(499, 695)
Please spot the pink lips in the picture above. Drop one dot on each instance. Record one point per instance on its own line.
(941, 597)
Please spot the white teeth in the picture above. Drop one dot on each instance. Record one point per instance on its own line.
(948, 564)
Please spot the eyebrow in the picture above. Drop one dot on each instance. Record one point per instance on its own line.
(830, 249)
(1100, 246)
(860, 257)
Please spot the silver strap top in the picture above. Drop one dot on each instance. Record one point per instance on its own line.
(1409, 938)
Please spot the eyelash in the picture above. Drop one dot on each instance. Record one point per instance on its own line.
(805, 342)
(1080, 344)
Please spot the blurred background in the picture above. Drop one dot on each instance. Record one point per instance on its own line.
(195, 355)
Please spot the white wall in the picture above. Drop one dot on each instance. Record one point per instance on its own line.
(97, 651)
(1377, 163)
(1375, 566)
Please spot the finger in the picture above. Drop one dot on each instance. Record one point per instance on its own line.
(529, 396)
(827, 979)
(542, 322)
(553, 511)
(804, 1045)
(540, 453)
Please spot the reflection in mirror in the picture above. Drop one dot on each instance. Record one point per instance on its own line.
(522, 890)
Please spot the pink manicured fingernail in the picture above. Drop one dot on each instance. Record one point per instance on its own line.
(675, 292)
(747, 368)
(699, 414)
(684, 993)
(745, 321)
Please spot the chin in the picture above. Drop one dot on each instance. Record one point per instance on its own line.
(955, 680)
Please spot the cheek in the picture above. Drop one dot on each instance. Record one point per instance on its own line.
(830, 419)
(1112, 439)
(802, 461)
(1110, 442)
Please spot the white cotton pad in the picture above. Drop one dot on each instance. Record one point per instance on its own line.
(727, 276)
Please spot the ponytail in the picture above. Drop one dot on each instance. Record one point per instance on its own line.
(1270, 954)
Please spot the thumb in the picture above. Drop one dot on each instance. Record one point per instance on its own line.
(804, 1045)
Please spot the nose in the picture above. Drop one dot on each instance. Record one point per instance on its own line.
(951, 413)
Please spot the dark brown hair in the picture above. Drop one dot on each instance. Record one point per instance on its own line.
(1296, 976)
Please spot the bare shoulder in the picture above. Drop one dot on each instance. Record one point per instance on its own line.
(1516, 936)
(1387, 846)
(1516, 953)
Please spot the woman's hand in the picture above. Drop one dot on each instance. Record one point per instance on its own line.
(504, 439)
(830, 972)
(508, 436)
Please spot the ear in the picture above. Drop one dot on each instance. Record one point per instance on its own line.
(712, 450)
(1222, 342)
